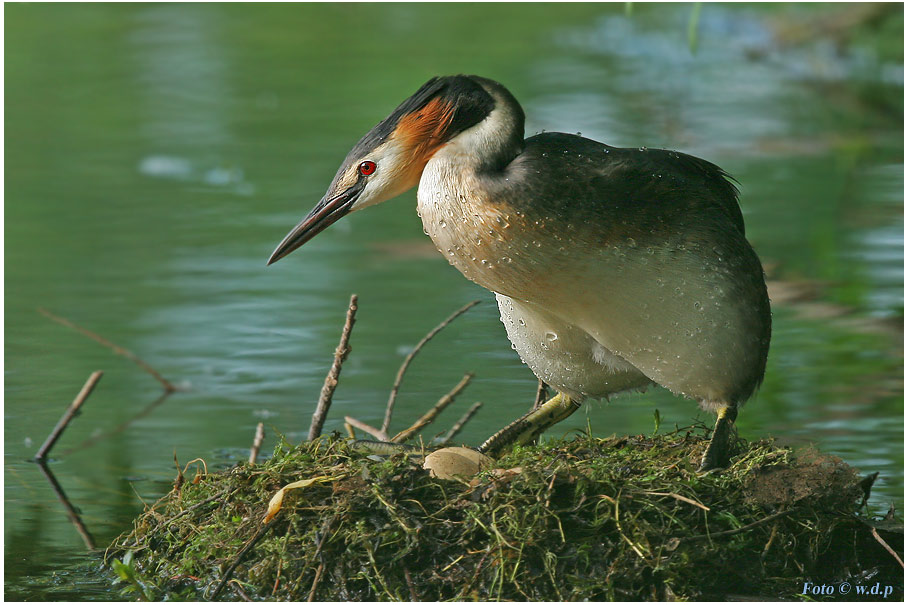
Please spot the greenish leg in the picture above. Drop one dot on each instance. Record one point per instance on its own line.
(529, 426)
(717, 453)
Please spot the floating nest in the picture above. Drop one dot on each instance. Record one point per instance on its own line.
(625, 518)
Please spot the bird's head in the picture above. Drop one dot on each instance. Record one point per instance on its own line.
(390, 158)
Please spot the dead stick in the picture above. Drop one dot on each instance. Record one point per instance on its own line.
(429, 416)
(318, 576)
(235, 584)
(340, 354)
(772, 538)
(880, 539)
(257, 442)
(277, 578)
(366, 428)
(169, 386)
(403, 367)
(69, 414)
(239, 558)
(325, 531)
(413, 596)
(475, 575)
(446, 439)
(743, 528)
(679, 497)
(541, 394)
(217, 496)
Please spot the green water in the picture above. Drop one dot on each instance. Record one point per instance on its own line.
(156, 154)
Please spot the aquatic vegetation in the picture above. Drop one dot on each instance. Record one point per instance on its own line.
(625, 518)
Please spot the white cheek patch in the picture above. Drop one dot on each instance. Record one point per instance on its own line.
(391, 176)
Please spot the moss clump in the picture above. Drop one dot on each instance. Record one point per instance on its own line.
(588, 519)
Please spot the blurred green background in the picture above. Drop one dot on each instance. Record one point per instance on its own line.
(157, 153)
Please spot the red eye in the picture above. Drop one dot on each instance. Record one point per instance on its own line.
(367, 168)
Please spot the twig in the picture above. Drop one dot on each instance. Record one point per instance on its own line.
(70, 509)
(325, 531)
(378, 434)
(447, 437)
(239, 557)
(277, 577)
(349, 428)
(257, 442)
(186, 511)
(413, 596)
(180, 480)
(429, 416)
(679, 497)
(886, 546)
(169, 386)
(318, 576)
(772, 538)
(69, 414)
(235, 584)
(743, 528)
(340, 354)
(541, 395)
(403, 367)
(474, 576)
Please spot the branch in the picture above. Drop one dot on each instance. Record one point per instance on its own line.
(222, 494)
(743, 528)
(447, 437)
(257, 442)
(371, 430)
(68, 415)
(239, 558)
(340, 354)
(326, 531)
(541, 395)
(429, 416)
(888, 548)
(403, 367)
(168, 386)
(679, 497)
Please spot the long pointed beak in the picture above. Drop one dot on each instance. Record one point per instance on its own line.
(326, 212)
